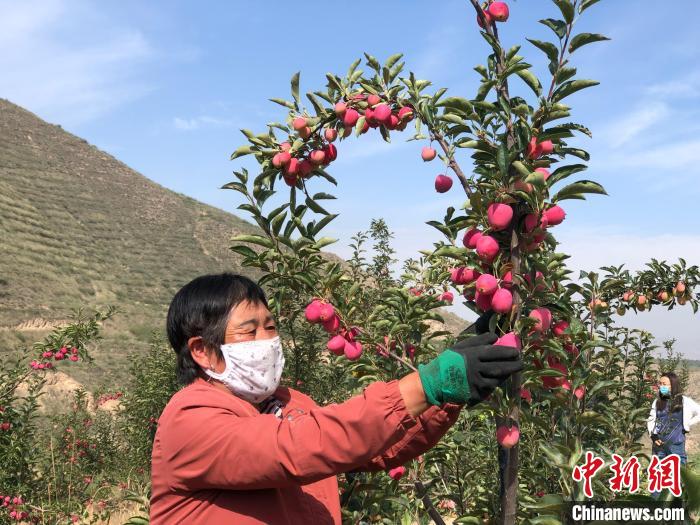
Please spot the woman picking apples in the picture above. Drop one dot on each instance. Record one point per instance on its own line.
(234, 447)
(671, 416)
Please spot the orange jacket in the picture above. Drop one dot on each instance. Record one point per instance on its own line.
(217, 460)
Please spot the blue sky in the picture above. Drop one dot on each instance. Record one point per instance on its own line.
(165, 86)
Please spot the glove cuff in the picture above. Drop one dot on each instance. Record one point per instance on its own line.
(444, 379)
(430, 379)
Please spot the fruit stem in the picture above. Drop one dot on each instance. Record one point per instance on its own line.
(509, 490)
(452, 163)
(392, 354)
(562, 54)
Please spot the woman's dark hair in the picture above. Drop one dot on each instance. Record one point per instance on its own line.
(201, 308)
(676, 395)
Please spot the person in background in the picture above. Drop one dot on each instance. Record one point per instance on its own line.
(671, 416)
(234, 447)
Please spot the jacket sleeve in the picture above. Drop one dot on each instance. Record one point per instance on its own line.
(431, 426)
(693, 411)
(651, 420)
(212, 447)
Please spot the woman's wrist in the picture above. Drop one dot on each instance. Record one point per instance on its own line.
(413, 395)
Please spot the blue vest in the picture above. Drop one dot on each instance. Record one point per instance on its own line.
(669, 427)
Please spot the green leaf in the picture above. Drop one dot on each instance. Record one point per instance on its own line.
(320, 196)
(235, 186)
(295, 88)
(316, 104)
(277, 211)
(440, 227)
(334, 82)
(393, 59)
(565, 73)
(249, 208)
(484, 89)
(243, 150)
(454, 119)
(586, 4)
(556, 130)
(459, 103)
(549, 49)
(572, 86)
(522, 169)
(558, 26)
(315, 206)
(531, 80)
(277, 222)
(323, 242)
(502, 158)
(254, 239)
(359, 125)
(282, 102)
(327, 176)
(450, 251)
(324, 222)
(576, 152)
(556, 457)
(564, 172)
(585, 38)
(567, 10)
(245, 251)
(372, 62)
(575, 189)
(353, 67)
(536, 178)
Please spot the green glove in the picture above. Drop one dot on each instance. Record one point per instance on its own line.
(468, 372)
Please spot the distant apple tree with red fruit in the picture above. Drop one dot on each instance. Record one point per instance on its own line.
(346, 323)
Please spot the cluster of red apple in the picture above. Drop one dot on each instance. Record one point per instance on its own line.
(13, 505)
(490, 292)
(495, 12)
(443, 182)
(643, 300)
(508, 436)
(318, 149)
(59, 355)
(75, 448)
(342, 340)
(108, 397)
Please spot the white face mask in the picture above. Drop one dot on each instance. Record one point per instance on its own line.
(253, 368)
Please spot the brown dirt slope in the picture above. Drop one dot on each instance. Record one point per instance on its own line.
(80, 228)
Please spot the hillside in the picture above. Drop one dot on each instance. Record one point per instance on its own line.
(79, 228)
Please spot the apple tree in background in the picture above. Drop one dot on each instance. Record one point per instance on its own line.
(583, 375)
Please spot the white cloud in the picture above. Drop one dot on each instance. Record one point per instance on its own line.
(194, 123)
(659, 167)
(67, 62)
(631, 126)
(687, 86)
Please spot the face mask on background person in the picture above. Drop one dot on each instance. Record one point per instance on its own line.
(665, 391)
(253, 368)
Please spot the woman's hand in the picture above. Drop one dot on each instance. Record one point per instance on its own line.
(468, 372)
